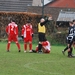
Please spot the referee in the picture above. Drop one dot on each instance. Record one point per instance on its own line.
(41, 32)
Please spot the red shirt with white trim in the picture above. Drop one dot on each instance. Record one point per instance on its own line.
(27, 30)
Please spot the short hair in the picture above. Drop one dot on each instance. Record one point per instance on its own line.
(74, 20)
(13, 20)
(71, 22)
(28, 21)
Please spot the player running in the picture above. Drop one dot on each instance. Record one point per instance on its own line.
(69, 40)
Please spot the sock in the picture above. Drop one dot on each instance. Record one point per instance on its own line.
(18, 45)
(71, 51)
(8, 46)
(39, 47)
(65, 48)
(25, 46)
(30, 46)
(36, 49)
(68, 53)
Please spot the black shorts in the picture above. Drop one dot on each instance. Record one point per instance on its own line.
(41, 37)
(69, 41)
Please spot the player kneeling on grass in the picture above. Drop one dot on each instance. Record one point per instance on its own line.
(46, 47)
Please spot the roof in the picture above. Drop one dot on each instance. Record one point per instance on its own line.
(66, 16)
(15, 5)
(62, 3)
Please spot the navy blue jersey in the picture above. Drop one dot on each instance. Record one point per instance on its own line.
(71, 30)
(74, 30)
(70, 34)
(74, 33)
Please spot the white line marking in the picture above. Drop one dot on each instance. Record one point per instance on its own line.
(52, 73)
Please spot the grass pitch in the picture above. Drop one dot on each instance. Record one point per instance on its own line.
(15, 63)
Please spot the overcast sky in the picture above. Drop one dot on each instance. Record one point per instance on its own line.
(47, 1)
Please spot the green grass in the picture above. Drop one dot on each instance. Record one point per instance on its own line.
(15, 63)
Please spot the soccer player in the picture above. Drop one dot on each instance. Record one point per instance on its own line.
(27, 34)
(73, 40)
(46, 47)
(12, 31)
(69, 40)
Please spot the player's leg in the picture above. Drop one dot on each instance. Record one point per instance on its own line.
(18, 45)
(8, 46)
(36, 50)
(65, 48)
(69, 44)
(70, 48)
(39, 47)
(30, 46)
(70, 52)
(15, 39)
(25, 44)
(9, 42)
(40, 36)
(30, 43)
(63, 51)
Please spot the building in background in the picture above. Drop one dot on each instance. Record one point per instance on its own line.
(64, 16)
(19, 5)
(36, 3)
(52, 7)
(62, 3)
(15, 5)
(58, 9)
(39, 2)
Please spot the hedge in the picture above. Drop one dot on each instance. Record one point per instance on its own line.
(21, 19)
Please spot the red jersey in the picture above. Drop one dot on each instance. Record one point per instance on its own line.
(12, 31)
(12, 28)
(27, 30)
(46, 45)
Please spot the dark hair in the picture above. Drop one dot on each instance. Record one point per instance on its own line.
(28, 21)
(71, 22)
(74, 20)
(13, 20)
